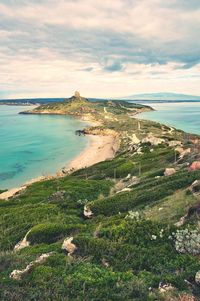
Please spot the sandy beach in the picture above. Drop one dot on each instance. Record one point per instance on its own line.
(100, 148)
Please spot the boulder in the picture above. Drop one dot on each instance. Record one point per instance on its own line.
(183, 152)
(18, 274)
(134, 139)
(22, 243)
(165, 287)
(197, 277)
(195, 187)
(174, 143)
(87, 212)
(153, 140)
(169, 171)
(124, 190)
(181, 221)
(69, 246)
(195, 166)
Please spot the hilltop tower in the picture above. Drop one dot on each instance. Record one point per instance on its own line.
(77, 94)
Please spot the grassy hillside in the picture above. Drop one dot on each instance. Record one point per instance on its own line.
(130, 245)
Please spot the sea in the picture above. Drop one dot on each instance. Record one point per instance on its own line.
(181, 115)
(35, 145)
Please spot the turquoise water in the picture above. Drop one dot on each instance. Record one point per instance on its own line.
(35, 145)
(184, 116)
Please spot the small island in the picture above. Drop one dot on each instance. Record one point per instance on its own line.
(123, 227)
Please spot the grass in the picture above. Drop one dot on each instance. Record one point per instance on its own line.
(117, 257)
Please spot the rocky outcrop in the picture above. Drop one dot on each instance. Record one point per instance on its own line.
(124, 185)
(181, 221)
(197, 278)
(124, 190)
(195, 187)
(169, 172)
(87, 212)
(153, 140)
(165, 287)
(195, 166)
(69, 246)
(183, 152)
(174, 143)
(97, 130)
(22, 243)
(18, 274)
(134, 139)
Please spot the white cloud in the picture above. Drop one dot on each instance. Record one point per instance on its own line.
(52, 47)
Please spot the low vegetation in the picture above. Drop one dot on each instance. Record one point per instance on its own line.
(131, 247)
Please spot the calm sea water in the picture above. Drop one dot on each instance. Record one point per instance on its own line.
(184, 116)
(35, 145)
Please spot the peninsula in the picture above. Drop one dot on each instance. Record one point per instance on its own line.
(123, 228)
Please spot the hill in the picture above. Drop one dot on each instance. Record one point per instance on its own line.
(162, 97)
(123, 229)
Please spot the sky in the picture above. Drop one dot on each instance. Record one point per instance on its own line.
(103, 48)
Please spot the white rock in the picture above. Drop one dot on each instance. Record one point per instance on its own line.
(22, 243)
(165, 287)
(197, 277)
(153, 140)
(181, 222)
(169, 171)
(18, 274)
(69, 246)
(174, 143)
(134, 139)
(124, 190)
(87, 212)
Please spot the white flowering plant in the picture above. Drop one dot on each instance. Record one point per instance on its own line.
(187, 241)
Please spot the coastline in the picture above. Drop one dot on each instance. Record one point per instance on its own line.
(100, 148)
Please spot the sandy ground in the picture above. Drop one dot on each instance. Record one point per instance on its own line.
(100, 148)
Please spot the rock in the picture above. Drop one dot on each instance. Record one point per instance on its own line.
(165, 287)
(124, 190)
(197, 277)
(57, 196)
(183, 152)
(169, 172)
(195, 187)
(181, 222)
(105, 263)
(18, 274)
(87, 212)
(153, 140)
(69, 246)
(195, 166)
(174, 143)
(128, 177)
(134, 139)
(22, 243)
(139, 151)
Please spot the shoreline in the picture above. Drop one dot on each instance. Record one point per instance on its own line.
(100, 148)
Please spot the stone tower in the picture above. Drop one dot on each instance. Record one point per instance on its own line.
(77, 94)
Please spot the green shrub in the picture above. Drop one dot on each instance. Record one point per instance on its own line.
(143, 195)
(49, 232)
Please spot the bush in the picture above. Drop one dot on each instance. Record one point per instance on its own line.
(143, 194)
(49, 232)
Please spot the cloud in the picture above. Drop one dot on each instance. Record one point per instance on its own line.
(98, 44)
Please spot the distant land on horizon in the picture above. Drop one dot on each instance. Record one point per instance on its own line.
(163, 96)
